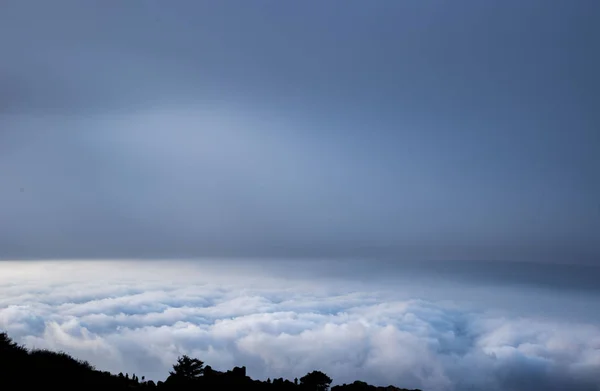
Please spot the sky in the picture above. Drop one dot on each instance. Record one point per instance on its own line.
(427, 130)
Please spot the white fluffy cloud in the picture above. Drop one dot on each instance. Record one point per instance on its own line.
(138, 318)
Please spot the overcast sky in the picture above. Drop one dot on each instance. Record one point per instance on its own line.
(406, 129)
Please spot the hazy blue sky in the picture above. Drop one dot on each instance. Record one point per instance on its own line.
(411, 129)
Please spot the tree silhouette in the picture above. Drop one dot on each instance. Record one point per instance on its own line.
(188, 368)
(7, 345)
(35, 369)
(315, 381)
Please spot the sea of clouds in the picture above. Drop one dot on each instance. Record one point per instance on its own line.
(138, 317)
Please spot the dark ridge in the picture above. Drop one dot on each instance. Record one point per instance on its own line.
(23, 369)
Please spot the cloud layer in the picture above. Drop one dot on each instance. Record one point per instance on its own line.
(138, 318)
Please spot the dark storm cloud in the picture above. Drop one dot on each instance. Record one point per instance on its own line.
(413, 130)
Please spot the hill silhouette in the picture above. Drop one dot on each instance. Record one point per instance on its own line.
(21, 368)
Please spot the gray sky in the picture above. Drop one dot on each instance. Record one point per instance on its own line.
(406, 129)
